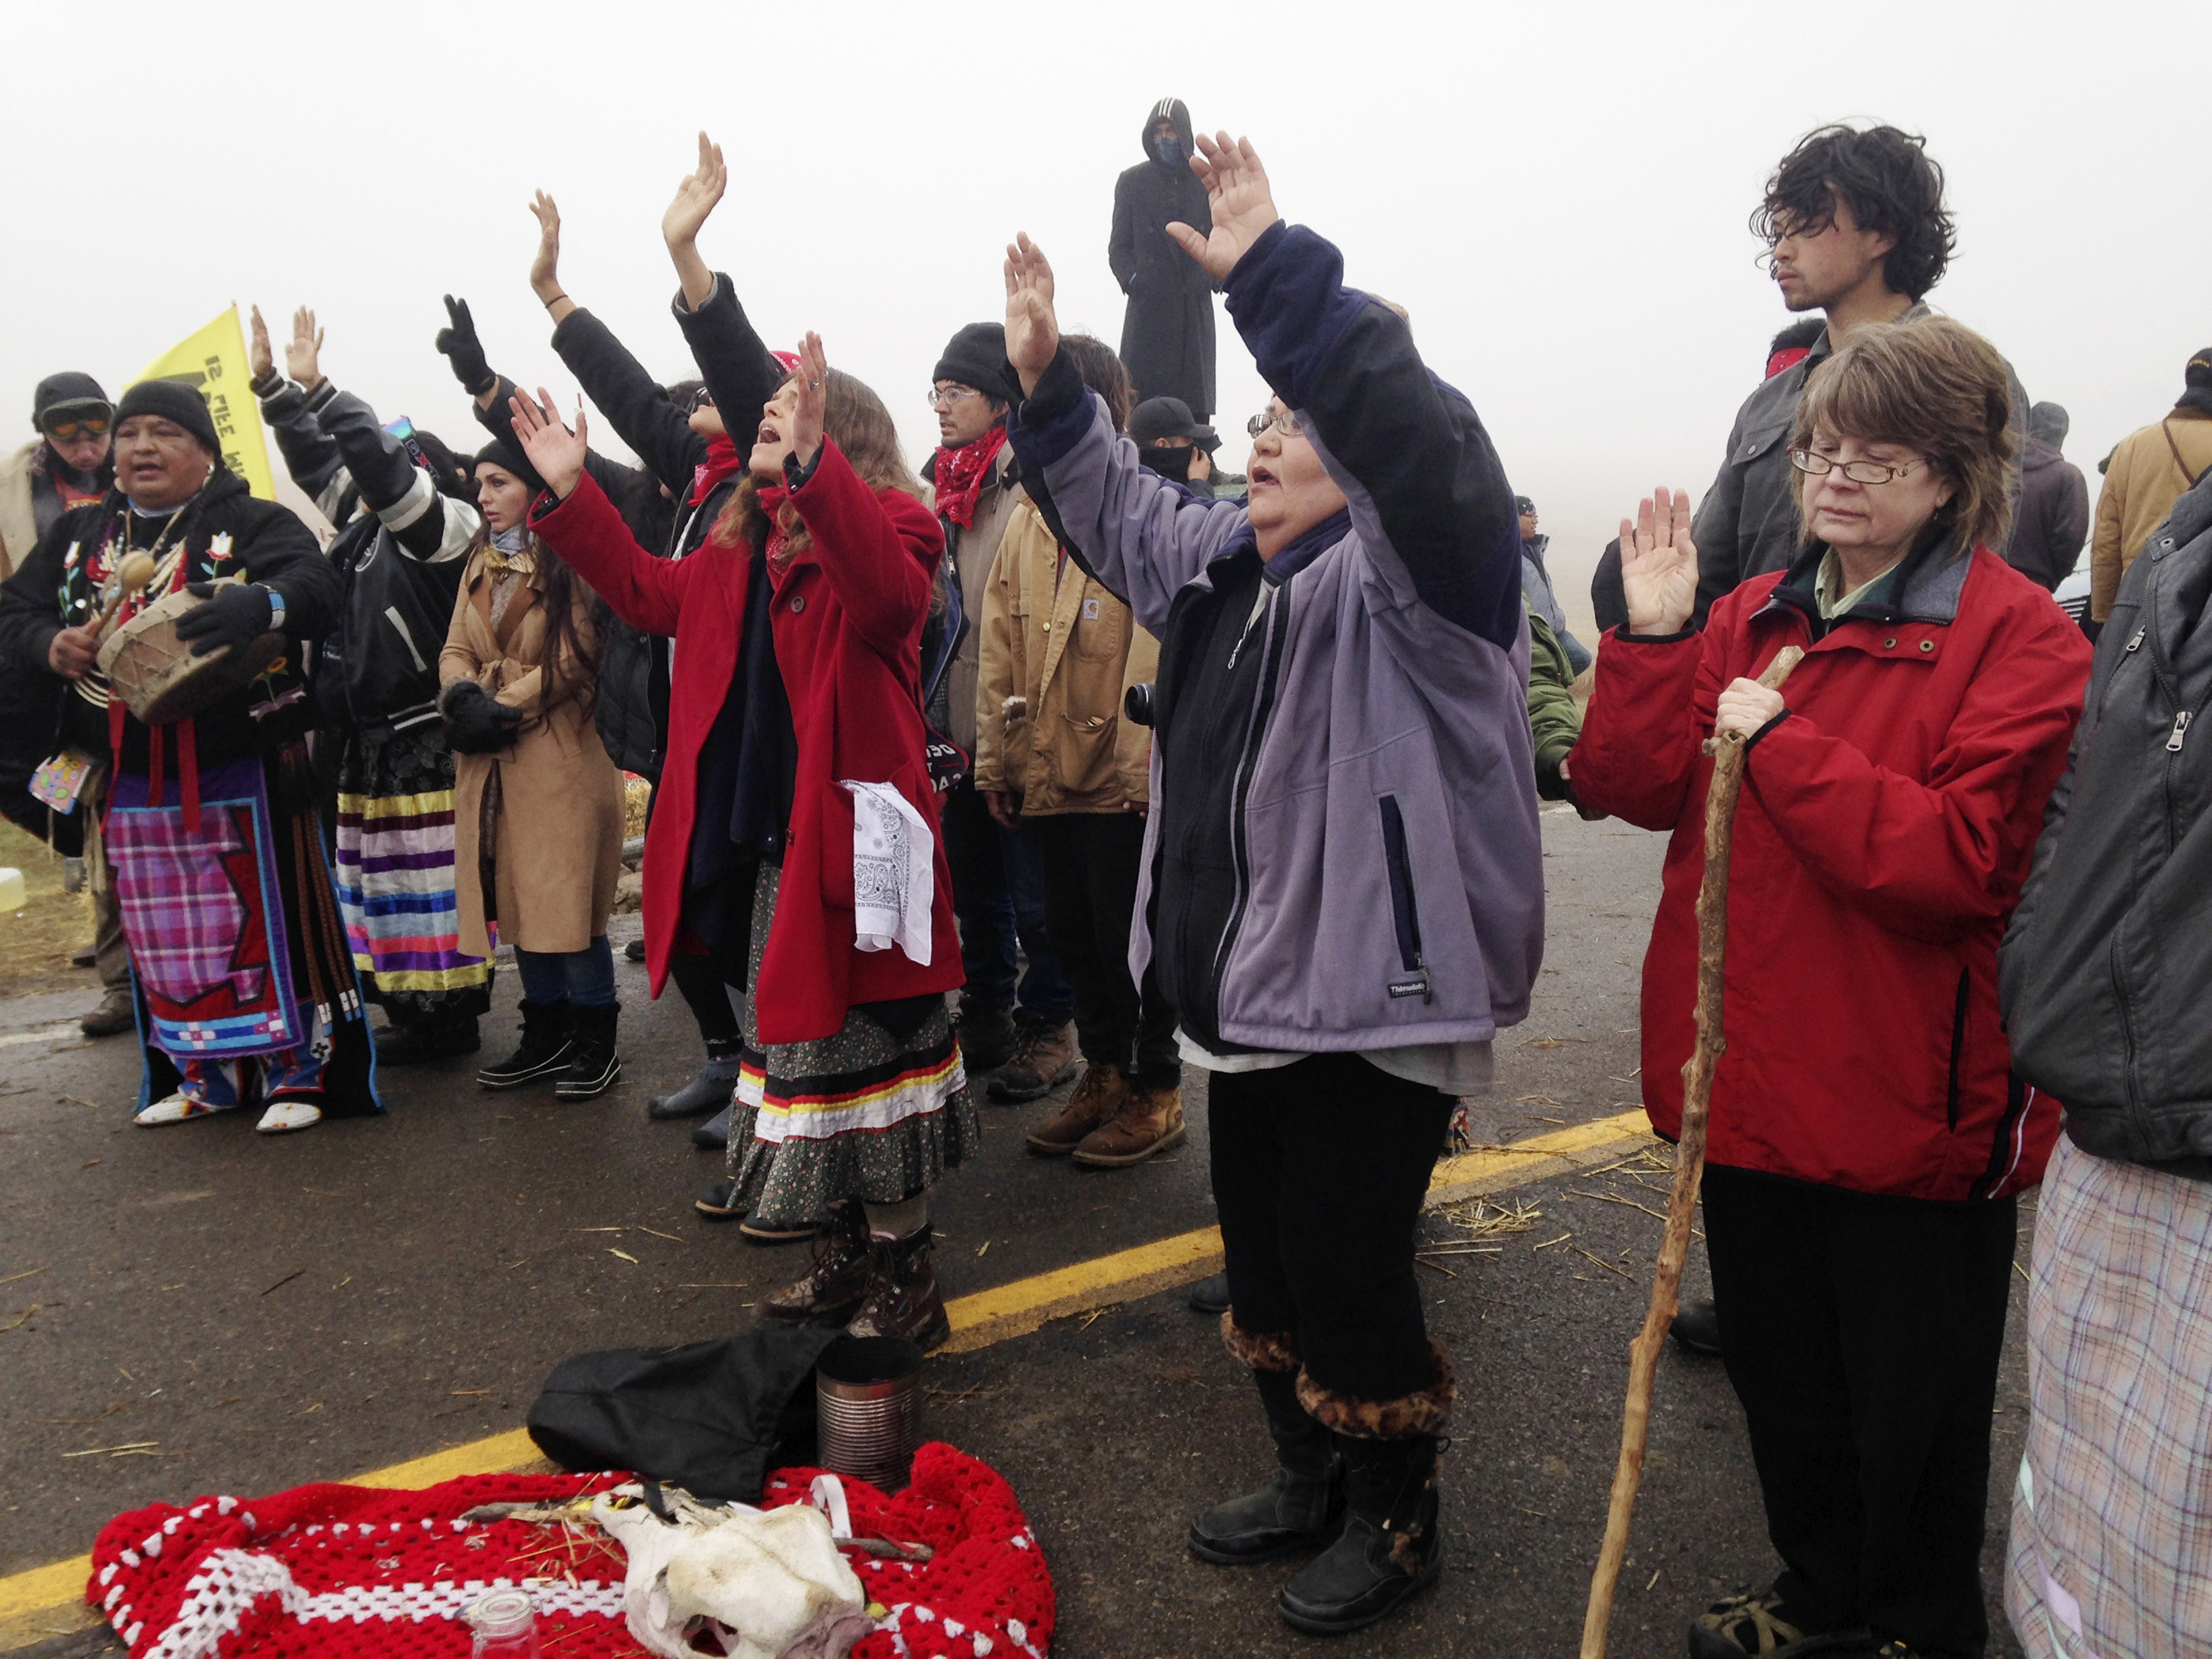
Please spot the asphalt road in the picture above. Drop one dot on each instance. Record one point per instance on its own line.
(266, 1312)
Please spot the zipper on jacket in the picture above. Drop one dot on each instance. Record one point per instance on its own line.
(1248, 761)
(1405, 914)
(1958, 1049)
(2181, 731)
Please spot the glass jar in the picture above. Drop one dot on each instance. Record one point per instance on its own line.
(506, 1626)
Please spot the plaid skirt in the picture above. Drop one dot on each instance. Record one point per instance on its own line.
(2111, 1520)
(867, 1114)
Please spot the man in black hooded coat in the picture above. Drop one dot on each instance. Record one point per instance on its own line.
(1167, 333)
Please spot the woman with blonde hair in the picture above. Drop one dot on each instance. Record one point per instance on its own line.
(796, 835)
(538, 806)
(1868, 1140)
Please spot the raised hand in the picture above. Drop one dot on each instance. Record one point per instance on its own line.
(457, 341)
(557, 453)
(545, 264)
(696, 197)
(259, 357)
(1032, 325)
(1244, 206)
(302, 352)
(1659, 564)
(806, 413)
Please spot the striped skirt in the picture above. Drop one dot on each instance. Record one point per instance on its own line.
(395, 877)
(865, 1114)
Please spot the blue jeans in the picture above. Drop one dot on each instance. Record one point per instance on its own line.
(583, 979)
(997, 894)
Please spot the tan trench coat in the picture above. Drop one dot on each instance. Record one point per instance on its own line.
(1064, 651)
(558, 828)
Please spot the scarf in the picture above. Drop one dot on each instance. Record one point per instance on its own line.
(722, 459)
(961, 472)
(510, 552)
(770, 498)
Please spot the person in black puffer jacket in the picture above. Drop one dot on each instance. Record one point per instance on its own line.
(2104, 974)
(406, 527)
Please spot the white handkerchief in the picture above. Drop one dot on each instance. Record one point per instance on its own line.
(893, 879)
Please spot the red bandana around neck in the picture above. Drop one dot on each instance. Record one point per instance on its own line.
(961, 472)
(722, 459)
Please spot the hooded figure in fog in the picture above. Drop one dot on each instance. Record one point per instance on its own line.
(1167, 333)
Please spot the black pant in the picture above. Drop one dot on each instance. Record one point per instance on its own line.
(1091, 860)
(1863, 1335)
(997, 895)
(1319, 1171)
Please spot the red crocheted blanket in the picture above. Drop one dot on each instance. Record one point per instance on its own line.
(333, 1571)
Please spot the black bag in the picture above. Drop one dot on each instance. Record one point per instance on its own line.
(712, 1418)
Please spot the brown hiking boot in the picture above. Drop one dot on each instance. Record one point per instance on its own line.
(1150, 1122)
(1043, 1059)
(843, 1272)
(903, 1298)
(1097, 1100)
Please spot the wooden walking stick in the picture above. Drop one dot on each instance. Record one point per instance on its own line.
(1728, 753)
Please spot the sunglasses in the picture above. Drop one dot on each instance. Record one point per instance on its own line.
(68, 429)
(701, 399)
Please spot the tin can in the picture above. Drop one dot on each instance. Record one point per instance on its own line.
(868, 1399)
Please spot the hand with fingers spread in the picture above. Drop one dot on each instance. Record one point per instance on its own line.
(557, 453)
(458, 344)
(1032, 325)
(696, 196)
(812, 377)
(545, 264)
(1659, 565)
(259, 357)
(303, 351)
(1237, 192)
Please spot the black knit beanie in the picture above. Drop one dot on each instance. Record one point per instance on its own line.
(172, 400)
(504, 456)
(977, 356)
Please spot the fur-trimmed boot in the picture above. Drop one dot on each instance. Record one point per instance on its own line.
(1300, 1508)
(1390, 1548)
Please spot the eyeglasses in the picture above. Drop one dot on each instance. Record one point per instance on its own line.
(944, 397)
(68, 429)
(1286, 422)
(701, 399)
(1865, 472)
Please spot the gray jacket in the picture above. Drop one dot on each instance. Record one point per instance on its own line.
(1375, 876)
(2106, 970)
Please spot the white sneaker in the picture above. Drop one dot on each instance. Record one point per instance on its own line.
(175, 1110)
(283, 1116)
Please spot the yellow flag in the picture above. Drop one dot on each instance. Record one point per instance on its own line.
(212, 363)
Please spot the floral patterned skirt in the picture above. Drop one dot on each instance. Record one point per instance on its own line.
(867, 1113)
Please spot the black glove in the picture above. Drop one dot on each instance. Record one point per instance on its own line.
(477, 724)
(458, 342)
(236, 614)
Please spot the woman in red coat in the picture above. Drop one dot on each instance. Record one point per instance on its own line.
(794, 710)
(1868, 1139)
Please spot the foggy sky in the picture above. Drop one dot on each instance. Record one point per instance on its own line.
(1557, 193)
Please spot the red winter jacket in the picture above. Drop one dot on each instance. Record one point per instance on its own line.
(847, 626)
(1884, 830)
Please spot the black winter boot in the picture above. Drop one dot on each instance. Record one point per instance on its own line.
(1389, 1549)
(416, 1041)
(1299, 1509)
(707, 1092)
(544, 1049)
(593, 1065)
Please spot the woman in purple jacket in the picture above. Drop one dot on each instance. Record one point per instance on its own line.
(1343, 893)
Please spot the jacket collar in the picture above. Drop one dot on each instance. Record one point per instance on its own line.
(1925, 588)
(1294, 558)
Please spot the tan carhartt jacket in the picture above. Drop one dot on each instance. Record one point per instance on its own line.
(2145, 478)
(1058, 652)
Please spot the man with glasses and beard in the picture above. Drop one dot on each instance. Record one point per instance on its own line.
(1014, 1025)
(65, 466)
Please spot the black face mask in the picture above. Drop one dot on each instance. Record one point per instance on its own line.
(1169, 461)
(1169, 152)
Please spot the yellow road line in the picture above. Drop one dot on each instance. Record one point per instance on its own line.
(44, 1600)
